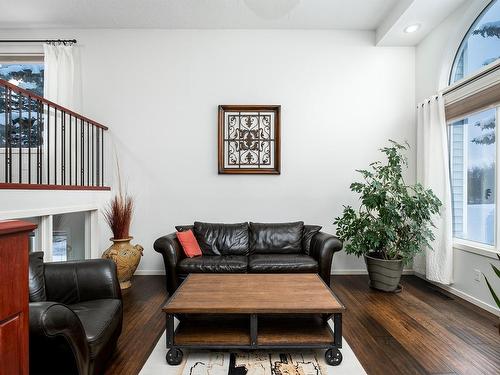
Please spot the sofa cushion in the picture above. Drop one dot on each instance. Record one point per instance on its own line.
(36, 277)
(276, 238)
(222, 239)
(212, 264)
(309, 232)
(282, 263)
(100, 319)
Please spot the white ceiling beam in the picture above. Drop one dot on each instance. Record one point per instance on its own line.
(427, 13)
(391, 19)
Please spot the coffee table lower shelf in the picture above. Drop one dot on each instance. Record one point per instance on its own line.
(255, 331)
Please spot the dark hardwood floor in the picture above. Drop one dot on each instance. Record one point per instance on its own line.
(423, 330)
(143, 324)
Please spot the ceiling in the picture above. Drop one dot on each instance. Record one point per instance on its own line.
(211, 14)
(245, 14)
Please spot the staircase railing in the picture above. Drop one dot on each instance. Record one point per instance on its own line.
(44, 145)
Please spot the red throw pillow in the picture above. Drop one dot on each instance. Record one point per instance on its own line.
(189, 243)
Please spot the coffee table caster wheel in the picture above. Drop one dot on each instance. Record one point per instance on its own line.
(174, 356)
(333, 357)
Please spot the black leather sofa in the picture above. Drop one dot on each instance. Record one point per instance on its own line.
(250, 248)
(76, 315)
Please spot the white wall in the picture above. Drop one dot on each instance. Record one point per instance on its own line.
(14, 201)
(158, 91)
(434, 56)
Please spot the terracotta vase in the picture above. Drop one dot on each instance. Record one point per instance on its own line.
(127, 258)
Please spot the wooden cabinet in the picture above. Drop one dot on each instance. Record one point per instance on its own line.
(14, 310)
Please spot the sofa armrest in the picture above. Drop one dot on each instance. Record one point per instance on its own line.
(83, 280)
(323, 246)
(171, 250)
(54, 326)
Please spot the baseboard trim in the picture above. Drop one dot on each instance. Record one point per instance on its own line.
(149, 272)
(463, 295)
(363, 272)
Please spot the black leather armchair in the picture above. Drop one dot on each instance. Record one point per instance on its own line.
(75, 315)
(318, 259)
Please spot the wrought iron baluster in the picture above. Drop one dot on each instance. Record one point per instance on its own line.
(88, 154)
(39, 142)
(29, 139)
(20, 123)
(55, 146)
(48, 144)
(76, 151)
(63, 148)
(70, 141)
(102, 157)
(10, 135)
(6, 134)
(82, 153)
(93, 154)
(97, 157)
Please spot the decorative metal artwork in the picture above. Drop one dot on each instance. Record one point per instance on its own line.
(249, 139)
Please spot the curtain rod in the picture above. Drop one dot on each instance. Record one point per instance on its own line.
(38, 41)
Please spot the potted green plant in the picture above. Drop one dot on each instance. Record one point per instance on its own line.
(393, 222)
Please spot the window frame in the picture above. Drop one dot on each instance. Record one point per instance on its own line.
(473, 246)
(485, 6)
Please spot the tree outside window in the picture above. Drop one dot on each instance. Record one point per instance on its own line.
(21, 120)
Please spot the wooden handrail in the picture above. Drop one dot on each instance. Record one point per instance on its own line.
(13, 186)
(30, 94)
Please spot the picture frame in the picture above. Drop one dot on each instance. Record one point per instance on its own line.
(249, 139)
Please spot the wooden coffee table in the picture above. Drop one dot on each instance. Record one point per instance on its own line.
(254, 311)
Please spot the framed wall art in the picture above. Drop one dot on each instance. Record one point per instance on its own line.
(249, 139)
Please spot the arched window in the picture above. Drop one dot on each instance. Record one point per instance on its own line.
(473, 113)
(481, 45)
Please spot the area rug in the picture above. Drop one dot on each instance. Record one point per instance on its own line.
(276, 362)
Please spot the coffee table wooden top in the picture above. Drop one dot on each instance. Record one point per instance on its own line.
(253, 293)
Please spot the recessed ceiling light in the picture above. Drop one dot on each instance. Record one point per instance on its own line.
(412, 28)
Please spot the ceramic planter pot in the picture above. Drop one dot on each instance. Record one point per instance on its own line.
(127, 258)
(384, 274)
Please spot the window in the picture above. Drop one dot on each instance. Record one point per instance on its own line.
(481, 45)
(68, 236)
(63, 235)
(472, 146)
(472, 110)
(24, 131)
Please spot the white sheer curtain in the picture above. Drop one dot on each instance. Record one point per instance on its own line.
(433, 173)
(62, 85)
(62, 80)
